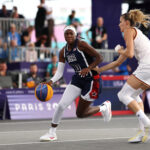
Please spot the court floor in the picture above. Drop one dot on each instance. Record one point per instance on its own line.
(73, 134)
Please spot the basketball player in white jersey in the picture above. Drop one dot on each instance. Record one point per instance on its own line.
(138, 45)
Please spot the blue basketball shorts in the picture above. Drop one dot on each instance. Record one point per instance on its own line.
(90, 86)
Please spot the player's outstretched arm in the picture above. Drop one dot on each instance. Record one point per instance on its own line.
(112, 65)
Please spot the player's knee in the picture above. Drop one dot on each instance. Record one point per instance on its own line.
(125, 97)
(121, 96)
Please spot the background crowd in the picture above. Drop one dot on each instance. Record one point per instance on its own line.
(22, 42)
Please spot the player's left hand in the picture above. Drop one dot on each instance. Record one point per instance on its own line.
(97, 69)
(84, 72)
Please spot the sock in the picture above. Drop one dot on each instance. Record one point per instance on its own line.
(52, 130)
(141, 125)
(102, 108)
(144, 119)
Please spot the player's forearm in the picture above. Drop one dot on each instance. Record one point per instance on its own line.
(109, 66)
(126, 52)
(59, 72)
(98, 60)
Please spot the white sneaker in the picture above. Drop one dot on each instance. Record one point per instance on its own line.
(137, 138)
(48, 137)
(107, 114)
(146, 136)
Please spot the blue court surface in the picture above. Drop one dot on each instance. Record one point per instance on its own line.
(73, 134)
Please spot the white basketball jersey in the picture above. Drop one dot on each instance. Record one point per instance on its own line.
(142, 48)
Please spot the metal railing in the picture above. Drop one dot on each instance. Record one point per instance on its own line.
(32, 54)
(5, 23)
(108, 54)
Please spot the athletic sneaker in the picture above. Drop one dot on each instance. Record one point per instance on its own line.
(107, 114)
(48, 137)
(146, 137)
(137, 138)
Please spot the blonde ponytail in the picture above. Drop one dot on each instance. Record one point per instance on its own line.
(137, 16)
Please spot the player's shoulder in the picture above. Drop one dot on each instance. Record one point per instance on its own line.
(129, 31)
(62, 50)
(82, 43)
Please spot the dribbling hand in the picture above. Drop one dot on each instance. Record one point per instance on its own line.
(48, 82)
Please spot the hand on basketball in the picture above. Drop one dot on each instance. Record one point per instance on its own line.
(48, 82)
(84, 72)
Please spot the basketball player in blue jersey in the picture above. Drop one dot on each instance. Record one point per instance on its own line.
(84, 84)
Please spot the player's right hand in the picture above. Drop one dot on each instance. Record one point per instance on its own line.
(48, 82)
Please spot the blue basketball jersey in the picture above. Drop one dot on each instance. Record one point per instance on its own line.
(89, 84)
(78, 60)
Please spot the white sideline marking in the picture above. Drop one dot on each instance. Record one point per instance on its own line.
(49, 121)
(28, 143)
(70, 130)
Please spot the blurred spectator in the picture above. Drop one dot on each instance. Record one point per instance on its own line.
(31, 79)
(39, 20)
(3, 68)
(26, 36)
(7, 79)
(99, 35)
(14, 51)
(15, 13)
(52, 65)
(123, 69)
(51, 33)
(31, 53)
(13, 35)
(3, 27)
(71, 17)
(50, 23)
(43, 52)
(72, 20)
(1, 31)
(4, 12)
(3, 50)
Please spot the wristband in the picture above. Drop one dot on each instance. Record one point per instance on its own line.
(117, 47)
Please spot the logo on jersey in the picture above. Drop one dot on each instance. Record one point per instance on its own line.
(74, 49)
(71, 58)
